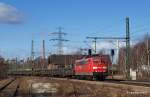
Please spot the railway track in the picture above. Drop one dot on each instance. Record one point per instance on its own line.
(8, 87)
(145, 84)
(4, 83)
(111, 81)
(63, 87)
(77, 92)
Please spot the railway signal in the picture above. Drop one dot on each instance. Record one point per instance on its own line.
(112, 56)
(89, 52)
(112, 52)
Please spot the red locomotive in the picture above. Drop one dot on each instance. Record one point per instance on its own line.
(92, 67)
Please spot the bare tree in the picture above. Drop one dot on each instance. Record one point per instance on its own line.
(139, 58)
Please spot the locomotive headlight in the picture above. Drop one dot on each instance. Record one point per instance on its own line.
(104, 67)
(94, 67)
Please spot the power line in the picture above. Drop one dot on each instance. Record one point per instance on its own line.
(108, 28)
(43, 53)
(127, 68)
(127, 38)
(32, 50)
(140, 30)
(59, 39)
(96, 38)
(43, 49)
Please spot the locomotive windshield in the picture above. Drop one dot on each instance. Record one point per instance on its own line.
(100, 60)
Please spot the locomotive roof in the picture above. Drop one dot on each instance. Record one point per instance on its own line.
(105, 57)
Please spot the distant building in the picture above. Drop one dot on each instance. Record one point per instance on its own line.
(3, 68)
(62, 60)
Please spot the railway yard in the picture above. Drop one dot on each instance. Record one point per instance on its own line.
(63, 87)
(101, 48)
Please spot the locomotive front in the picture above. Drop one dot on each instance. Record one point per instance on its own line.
(95, 67)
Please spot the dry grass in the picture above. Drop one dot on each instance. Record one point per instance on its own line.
(68, 88)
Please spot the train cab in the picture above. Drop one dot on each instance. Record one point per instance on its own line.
(92, 67)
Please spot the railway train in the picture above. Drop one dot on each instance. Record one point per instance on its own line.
(90, 67)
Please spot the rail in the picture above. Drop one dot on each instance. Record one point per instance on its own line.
(8, 88)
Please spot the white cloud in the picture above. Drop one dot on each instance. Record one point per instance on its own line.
(104, 45)
(112, 45)
(9, 14)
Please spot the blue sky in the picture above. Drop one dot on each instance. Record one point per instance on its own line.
(35, 19)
